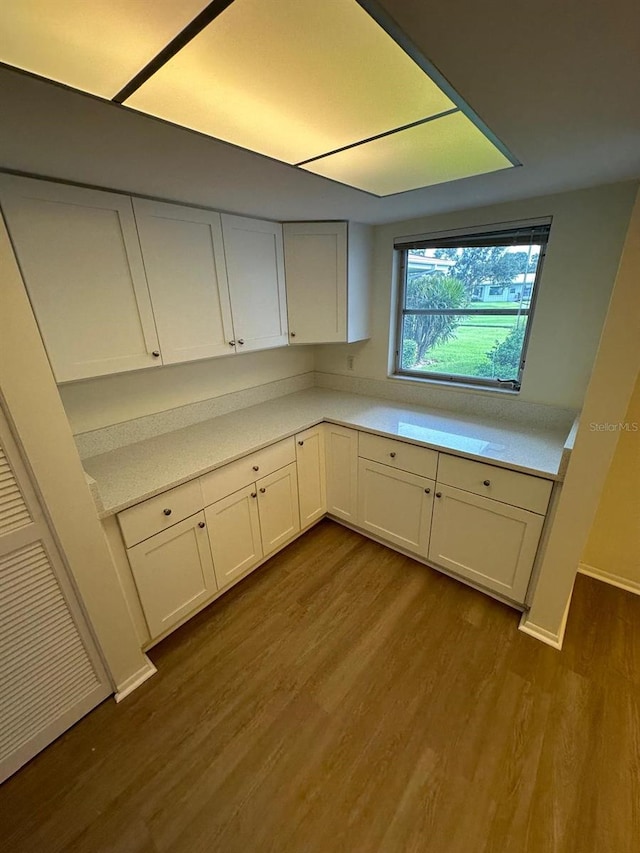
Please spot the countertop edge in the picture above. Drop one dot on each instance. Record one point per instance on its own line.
(107, 511)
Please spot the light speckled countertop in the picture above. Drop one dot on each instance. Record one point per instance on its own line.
(126, 476)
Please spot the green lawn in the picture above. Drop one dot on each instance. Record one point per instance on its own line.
(474, 337)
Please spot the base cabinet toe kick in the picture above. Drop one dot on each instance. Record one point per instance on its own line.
(187, 546)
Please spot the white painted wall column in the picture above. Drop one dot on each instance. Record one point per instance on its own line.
(614, 373)
(33, 403)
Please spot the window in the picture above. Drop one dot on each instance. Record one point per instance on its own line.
(469, 320)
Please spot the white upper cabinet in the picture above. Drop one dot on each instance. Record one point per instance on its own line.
(184, 260)
(80, 258)
(327, 268)
(255, 271)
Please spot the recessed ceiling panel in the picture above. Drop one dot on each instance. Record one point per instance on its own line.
(444, 149)
(93, 45)
(291, 79)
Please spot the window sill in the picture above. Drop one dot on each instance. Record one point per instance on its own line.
(463, 387)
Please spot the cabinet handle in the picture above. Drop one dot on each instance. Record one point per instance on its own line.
(240, 341)
(156, 353)
(166, 511)
(201, 524)
(427, 491)
(262, 491)
(392, 455)
(438, 494)
(293, 334)
(301, 443)
(254, 494)
(256, 467)
(487, 482)
(232, 343)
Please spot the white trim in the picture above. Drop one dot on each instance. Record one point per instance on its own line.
(134, 681)
(610, 578)
(542, 634)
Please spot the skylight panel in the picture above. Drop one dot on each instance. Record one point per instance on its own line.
(445, 149)
(292, 79)
(93, 45)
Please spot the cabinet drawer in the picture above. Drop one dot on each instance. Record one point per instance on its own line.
(398, 454)
(158, 513)
(510, 487)
(236, 475)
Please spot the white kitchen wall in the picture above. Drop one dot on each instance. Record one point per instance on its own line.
(587, 235)
(95, 403)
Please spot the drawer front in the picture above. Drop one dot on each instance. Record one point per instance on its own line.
(398, 454)
(159, 513)
(510, 487)
(236, 475)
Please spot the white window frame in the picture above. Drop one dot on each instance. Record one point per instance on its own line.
(492, 233)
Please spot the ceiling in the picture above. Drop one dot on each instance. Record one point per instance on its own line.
(558, 83)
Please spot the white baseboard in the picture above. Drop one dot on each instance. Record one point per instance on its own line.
(608, 577)
(541, 634)
(134, 681)
(550, 638)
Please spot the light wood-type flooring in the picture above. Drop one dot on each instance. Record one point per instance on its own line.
(346, 698)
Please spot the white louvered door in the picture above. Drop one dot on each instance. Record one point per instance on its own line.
(50, 670)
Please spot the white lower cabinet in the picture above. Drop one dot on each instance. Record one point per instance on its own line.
(310, 459)
(278, 508)
(173, 572)
(234, 533)
(342, 472)
(489, 542)
(251, 523)
(395, 505)
(478, 521)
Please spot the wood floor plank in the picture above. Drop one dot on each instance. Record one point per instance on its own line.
(346, 698)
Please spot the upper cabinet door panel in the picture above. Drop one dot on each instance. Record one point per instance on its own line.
(184, 260)
(255, 270)
(80, 257)
(316, 270)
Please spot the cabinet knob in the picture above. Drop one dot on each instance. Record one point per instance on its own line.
(438, 494)
(256, 467)
(293, 334)
(156, 353)
(232, 343)
(201, 524)
(166, 511)
(262, 491)
(487, 482)
(240, 341)
(392, 455)
(427, 491)
(254, 494)
(301, 443)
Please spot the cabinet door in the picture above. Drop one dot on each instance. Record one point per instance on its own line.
(255, 271)
(316, 274)
(342, 472)
(234, 534)
(80, 258)
(278, 505)
(186, 271)
(489, 542)
(173, 572)
(312, 491)
(395, 505)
